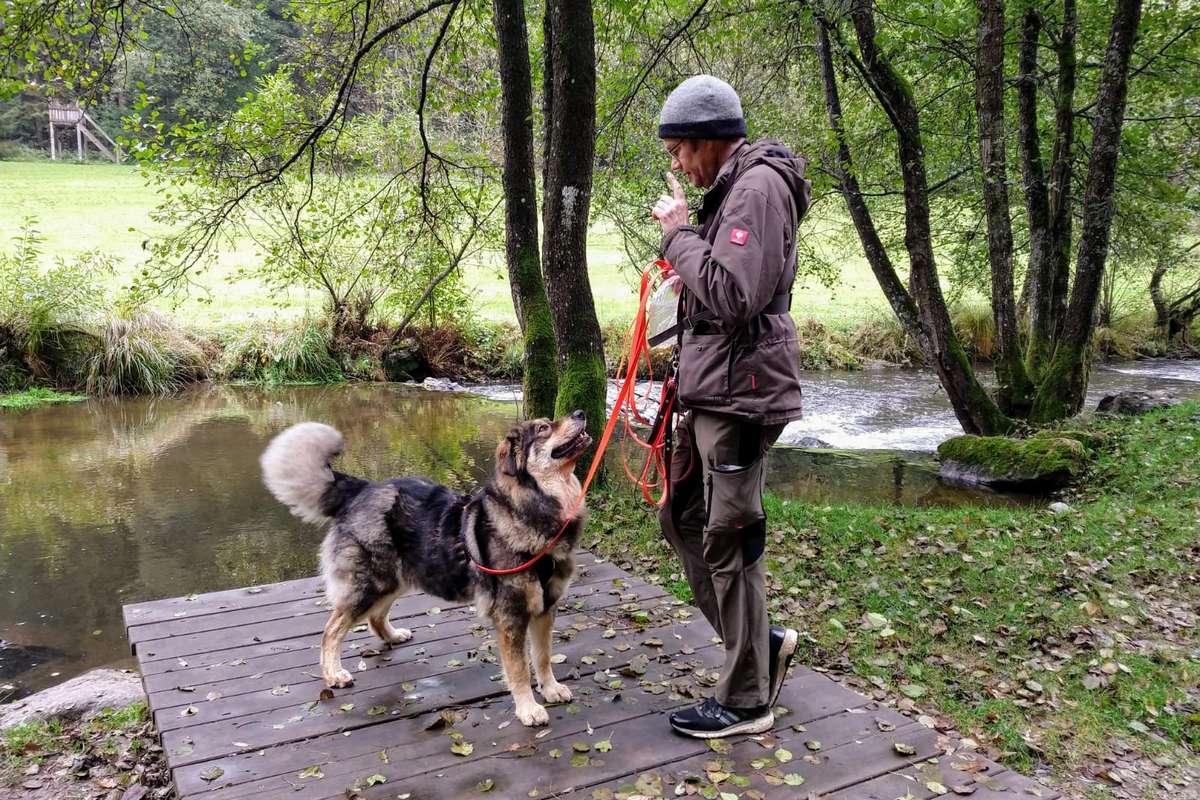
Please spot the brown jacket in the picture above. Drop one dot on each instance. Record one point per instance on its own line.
(739, 264)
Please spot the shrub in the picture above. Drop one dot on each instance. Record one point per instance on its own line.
(1130, 336)
(495, 351)
(444, 348)
(41, 308)
(19, 151)
(300, 353)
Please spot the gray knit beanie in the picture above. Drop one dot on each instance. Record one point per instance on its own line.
(702, 107)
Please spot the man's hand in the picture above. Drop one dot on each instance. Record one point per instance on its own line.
(671, 210)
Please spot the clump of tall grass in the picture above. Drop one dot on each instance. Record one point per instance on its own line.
(143, 354)
(1130, 336)
(975, 328)
(297, 353)
(881, 337)
(822, 348)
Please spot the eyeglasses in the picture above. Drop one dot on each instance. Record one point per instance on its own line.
(673, 152)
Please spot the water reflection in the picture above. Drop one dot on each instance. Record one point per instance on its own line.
(874, 477)
(116, 501)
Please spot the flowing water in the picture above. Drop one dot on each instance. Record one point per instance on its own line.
(115, 501)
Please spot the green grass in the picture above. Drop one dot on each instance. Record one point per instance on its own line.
(1043, 636)
(108, 734)
(105, 206)
(32, 398)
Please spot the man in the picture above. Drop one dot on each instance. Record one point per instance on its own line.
(738, 381)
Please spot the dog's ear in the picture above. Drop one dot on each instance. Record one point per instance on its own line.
(506, 453)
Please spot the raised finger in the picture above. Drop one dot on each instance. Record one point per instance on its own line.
(676, 189)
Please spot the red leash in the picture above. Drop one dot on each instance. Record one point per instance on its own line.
(638, 348)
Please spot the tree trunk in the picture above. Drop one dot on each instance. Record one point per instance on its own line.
(898, 297)
(1061, 175)
(977, 412)
(567, 189)
(1047, 276)
(540, 373)
(1037, 200)
(1061, 392)
(1015, 392)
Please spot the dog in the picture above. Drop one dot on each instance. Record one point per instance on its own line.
(394, 535)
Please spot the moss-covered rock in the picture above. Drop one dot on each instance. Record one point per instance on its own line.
(1041, 462)
(1091, 440)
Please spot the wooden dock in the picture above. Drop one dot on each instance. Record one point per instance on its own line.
(234, 687)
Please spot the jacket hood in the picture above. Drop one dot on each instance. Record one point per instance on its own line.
(775, 155)
(789, 166)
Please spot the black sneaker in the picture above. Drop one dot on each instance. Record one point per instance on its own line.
(781, 647)
(711, 720)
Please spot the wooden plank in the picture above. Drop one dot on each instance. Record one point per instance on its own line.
(266, 657)
(210, 603)
(224, 664)
(850, 760)
(638, 745)
(1002, 784)
(258, 694)
(337, 755)
(411, 604)
(899, 783)
(409, 741)
(213, 645)
(971, 773)
(304, 717)
(219, 602)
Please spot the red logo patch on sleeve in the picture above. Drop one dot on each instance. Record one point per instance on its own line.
(739, 236)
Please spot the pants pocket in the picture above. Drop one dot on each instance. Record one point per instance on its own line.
(735, 495)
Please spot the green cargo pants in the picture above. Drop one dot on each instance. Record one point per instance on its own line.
(715, 521)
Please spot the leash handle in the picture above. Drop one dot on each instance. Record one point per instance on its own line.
(638, 347)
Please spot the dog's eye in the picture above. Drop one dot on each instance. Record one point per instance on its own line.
(543, 428)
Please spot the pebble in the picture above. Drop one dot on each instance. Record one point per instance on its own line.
(1059, 507)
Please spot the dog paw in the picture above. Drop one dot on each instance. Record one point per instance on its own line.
(399, 636)
(339, 680)
(555, 692)
(532, 714)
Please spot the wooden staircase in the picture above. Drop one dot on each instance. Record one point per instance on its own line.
(71, 115)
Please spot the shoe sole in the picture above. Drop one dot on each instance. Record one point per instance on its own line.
(783, 660)
(760, 725)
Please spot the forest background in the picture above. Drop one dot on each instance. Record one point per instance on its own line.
(319, 190)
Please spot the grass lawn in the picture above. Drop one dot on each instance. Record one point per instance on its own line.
(31, 398)
(107, 207)
(1056, 641)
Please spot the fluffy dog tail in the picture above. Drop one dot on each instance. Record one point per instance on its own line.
(296, 470)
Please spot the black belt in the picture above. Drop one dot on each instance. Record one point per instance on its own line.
(779, 304)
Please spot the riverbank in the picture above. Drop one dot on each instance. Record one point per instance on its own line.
(1065, 644)
(148, 354)
(114, 754)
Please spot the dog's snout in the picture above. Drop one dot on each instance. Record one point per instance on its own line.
(578, 414)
